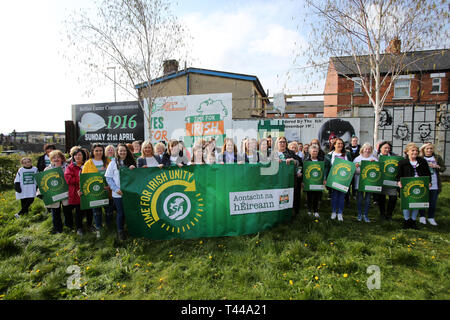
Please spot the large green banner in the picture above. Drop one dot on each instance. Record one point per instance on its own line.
(313, 174)
(52, 185)
(341, 175)
(390, 168)
(93, 190)
(371, 176)
(205, 200)
(414, 192)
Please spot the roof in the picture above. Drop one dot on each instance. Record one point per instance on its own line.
(205, 72)
(301, 107)
(415, 62)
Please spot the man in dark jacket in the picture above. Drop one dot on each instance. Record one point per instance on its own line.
(44, 160)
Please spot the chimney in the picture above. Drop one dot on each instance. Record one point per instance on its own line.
(170, 66)
(394, 46)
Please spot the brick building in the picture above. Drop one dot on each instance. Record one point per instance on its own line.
(425, 81)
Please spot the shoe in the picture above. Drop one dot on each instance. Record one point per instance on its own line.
(97, 234)
(359, 218)
(432, 222)
(17, 215)
(366, 219)
(316, 214)
(340, 218)
(405, 224)
(309, 213)
(80, 232)
(413, 224)
(333, 215)
(423, 220)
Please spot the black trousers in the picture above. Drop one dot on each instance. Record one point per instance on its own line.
(392, 201)
(25, 204)
(57, 221)
(80, 214)
(312, 200)
(297, 194)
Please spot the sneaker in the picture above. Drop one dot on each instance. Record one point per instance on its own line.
(432, 221)
(17, 215)
(80, 232)
(316, 214)
(309, 213)
(340, 218)
(333, 215)
(359, 218)
(366, 219)
(423, 220)
(97, 234)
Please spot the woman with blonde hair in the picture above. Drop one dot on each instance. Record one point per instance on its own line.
(412, 166)
(437, 165)
(147, 158)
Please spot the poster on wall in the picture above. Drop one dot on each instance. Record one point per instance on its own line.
(191, 118)
(108, 123)
(306, 129)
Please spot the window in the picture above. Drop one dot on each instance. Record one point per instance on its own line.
(436, 85)
(357, 87)
(436, 82)
(401, 89)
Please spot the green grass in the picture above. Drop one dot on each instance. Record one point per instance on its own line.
(305, 259)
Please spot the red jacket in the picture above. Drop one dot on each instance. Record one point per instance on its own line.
(72, 176)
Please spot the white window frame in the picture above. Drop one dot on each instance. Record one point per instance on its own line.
(436, 76)
(358, 81)
(406, 79)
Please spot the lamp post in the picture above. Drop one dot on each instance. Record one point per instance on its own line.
(114, 68)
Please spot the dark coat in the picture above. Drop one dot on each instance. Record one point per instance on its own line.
(353, 154)
(41, 163)
(405, 169)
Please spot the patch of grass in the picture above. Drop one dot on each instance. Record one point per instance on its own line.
(307, 258)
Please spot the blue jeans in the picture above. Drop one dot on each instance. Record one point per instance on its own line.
(120, 219)
(337, 201)
(359, 201)
(410, 212)
(98, 212)
(432, 207)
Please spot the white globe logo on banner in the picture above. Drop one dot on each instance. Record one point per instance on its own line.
(177, 206)
(54, 183)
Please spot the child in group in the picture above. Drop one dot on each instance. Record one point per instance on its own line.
(57, 159)
(110, 151)
(98, 163)
(25, 185)
(136, 145)
(366, 154)
(124, 158)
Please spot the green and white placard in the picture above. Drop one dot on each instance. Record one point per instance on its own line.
(390, 168)
(93, 190)
(341, 175)
(52, 185)
(414, 193)
(371, 177)
(313, 175)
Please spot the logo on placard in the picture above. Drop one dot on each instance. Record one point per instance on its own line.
(171, 201)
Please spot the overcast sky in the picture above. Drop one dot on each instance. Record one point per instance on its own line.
(37, 90)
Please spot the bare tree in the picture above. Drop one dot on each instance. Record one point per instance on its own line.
(133, 36)
(356, 32)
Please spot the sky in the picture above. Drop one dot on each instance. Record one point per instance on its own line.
(37, 87)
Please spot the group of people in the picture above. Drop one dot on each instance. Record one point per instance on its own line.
(110, 159)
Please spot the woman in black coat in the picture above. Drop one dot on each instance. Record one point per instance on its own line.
(412, 166)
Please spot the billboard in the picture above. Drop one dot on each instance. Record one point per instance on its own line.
(108, 123)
